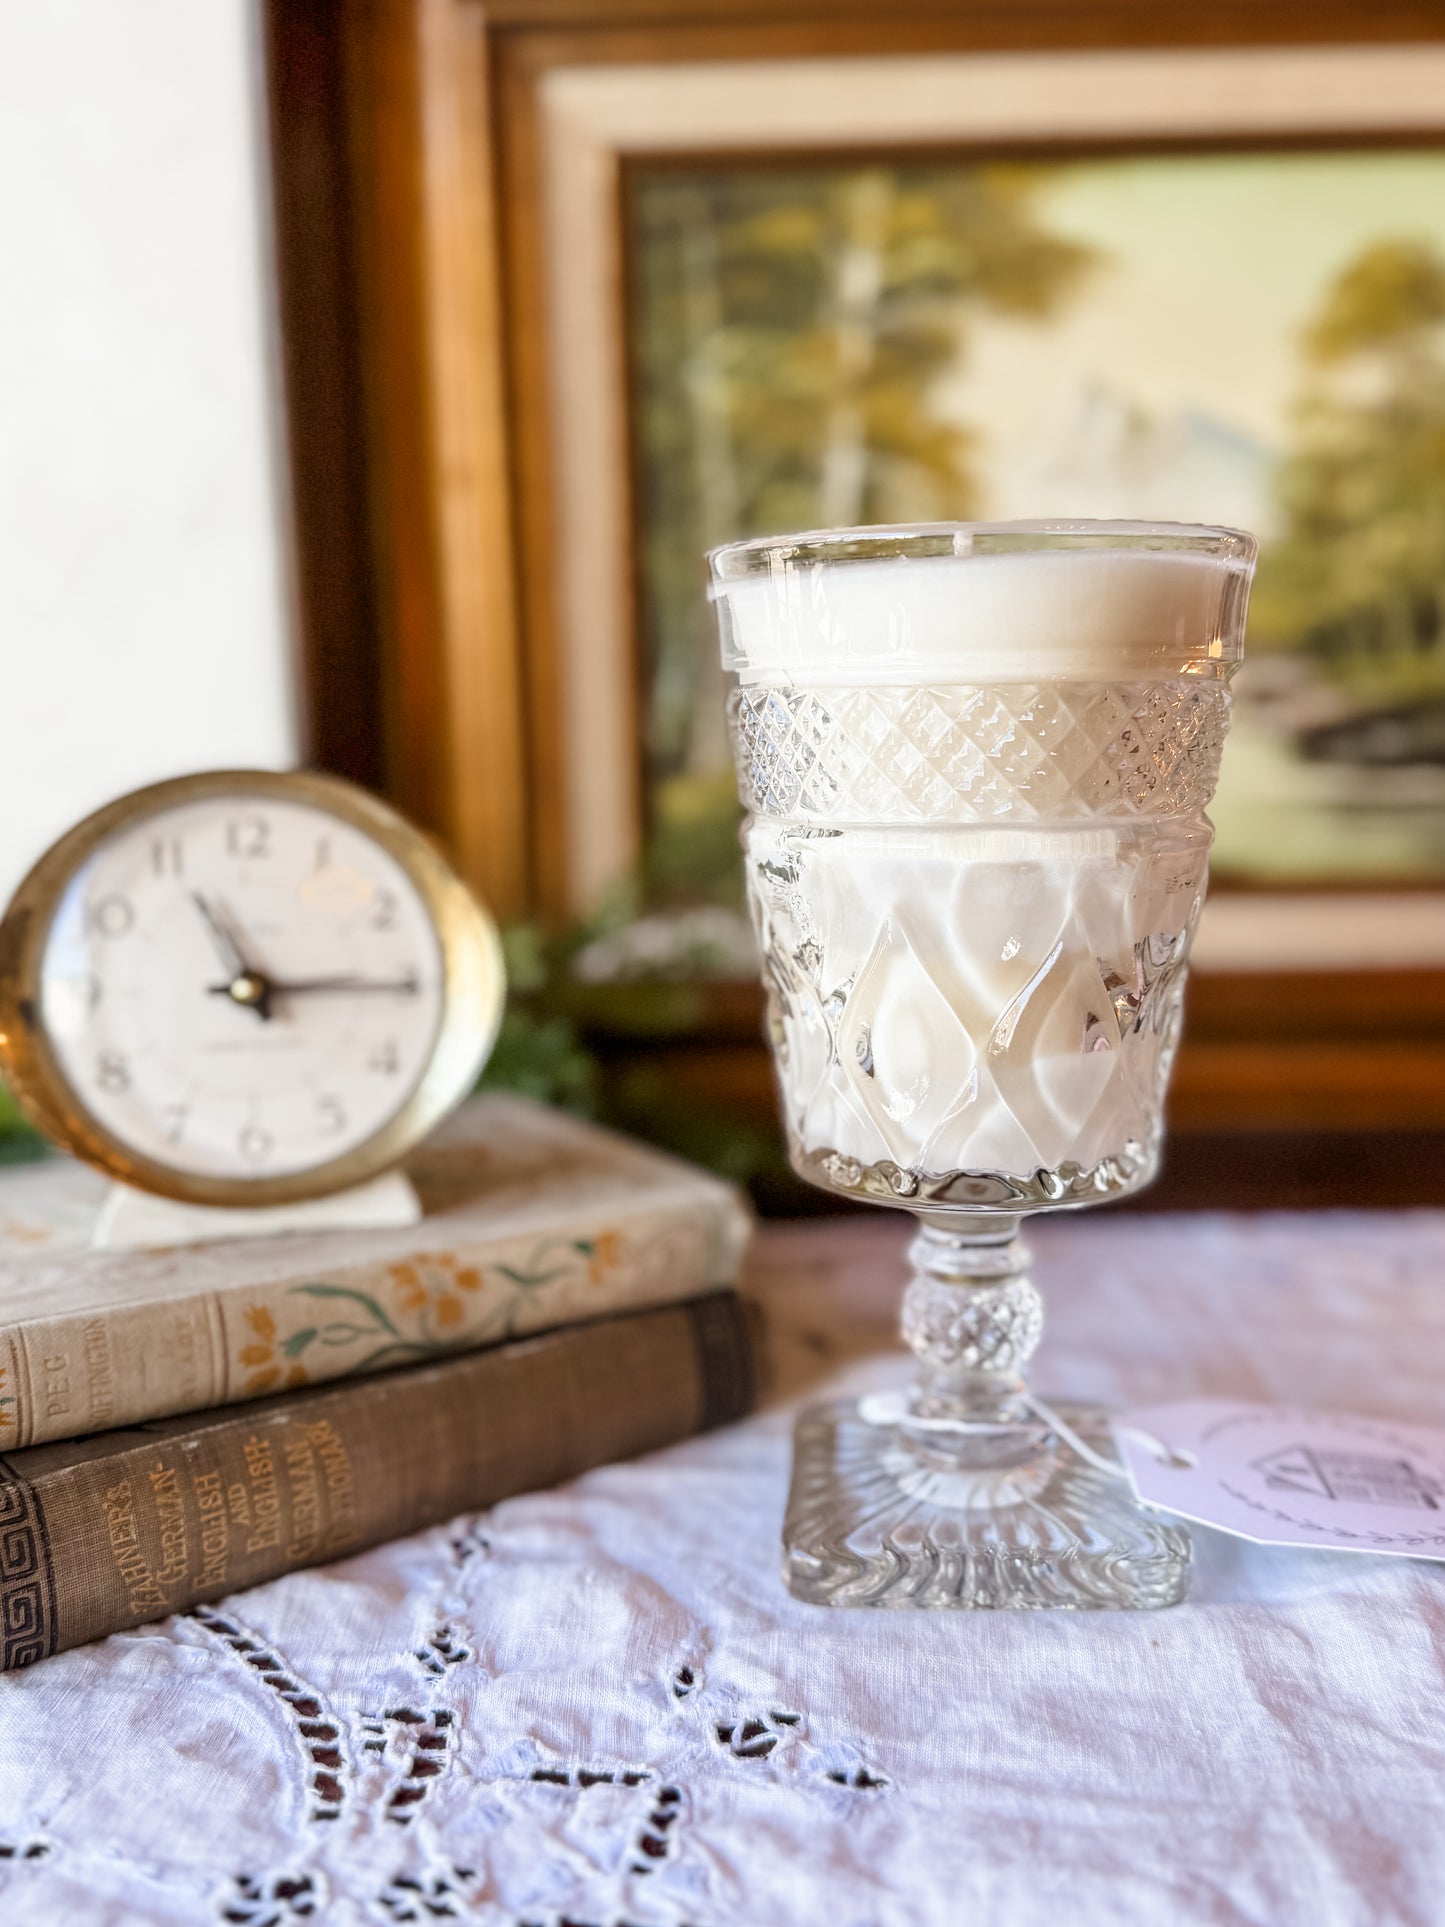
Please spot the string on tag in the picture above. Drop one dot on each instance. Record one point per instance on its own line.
(1164, 1453)
(891, 1408)
(1071, 1438)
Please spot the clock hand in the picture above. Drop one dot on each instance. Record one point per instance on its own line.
(222, 941)
(396, 986)
(406, 986)
(247, 986)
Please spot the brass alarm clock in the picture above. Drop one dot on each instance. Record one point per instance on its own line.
(244, 988)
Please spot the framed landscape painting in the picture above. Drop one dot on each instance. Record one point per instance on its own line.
(1253, 336)
(1185, 286)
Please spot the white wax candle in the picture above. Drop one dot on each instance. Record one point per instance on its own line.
(1055, 614)
(996, 999)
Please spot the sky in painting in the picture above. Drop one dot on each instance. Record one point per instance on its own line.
(1164, 385)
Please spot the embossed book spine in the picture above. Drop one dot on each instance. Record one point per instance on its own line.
(112, 1531)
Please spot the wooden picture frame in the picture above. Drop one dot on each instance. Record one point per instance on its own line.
(447, 184)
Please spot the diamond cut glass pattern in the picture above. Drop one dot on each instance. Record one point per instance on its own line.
(991, 1014)
(956, 754)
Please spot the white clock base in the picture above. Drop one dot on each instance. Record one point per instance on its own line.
(129, 1219)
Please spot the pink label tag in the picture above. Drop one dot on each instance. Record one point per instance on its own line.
(1287, 1477)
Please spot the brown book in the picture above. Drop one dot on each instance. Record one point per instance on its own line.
(123, 1527)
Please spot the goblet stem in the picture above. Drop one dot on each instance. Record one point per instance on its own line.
(963, 1494)
(972, 1317)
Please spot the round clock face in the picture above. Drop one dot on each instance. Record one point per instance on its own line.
(244, 986)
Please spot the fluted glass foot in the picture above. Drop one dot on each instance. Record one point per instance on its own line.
(884, 1514)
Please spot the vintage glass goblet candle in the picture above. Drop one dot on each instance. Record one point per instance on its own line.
(976, 760)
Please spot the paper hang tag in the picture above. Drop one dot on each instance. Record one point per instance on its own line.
(1286, 1477)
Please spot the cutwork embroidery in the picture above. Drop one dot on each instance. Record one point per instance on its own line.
(445, 1648)
(652, 1839)
(471, 1544)
(272, 1901)
(860, 1779)
(426, 1742)
(585, 1776)
(407, 1899)
(413, 1746)
(319, 1732)
(756, 1737)
(656, 1840)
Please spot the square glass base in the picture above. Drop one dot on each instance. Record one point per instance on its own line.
(881, 1514)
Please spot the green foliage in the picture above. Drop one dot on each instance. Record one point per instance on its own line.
(20, 1142)
(600, 1049)
(735, 1148)
(539, 1050)
(540, 1054)
(1357, 577)
(1389, 299)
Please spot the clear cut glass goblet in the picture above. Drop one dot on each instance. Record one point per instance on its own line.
(976, 760)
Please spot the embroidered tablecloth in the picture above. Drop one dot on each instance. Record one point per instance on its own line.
(598, 1705)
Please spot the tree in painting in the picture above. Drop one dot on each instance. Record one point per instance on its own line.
(1357, 579)
(791, 326)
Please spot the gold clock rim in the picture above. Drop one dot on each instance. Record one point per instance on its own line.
(473, 988)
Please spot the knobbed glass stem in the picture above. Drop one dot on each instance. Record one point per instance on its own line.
(964, 1493)
(972, 1317)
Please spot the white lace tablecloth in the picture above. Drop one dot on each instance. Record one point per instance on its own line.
(598, 1705)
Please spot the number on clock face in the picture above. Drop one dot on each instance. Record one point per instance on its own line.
(242, 986)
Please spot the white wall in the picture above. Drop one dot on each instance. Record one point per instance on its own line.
(144, 611)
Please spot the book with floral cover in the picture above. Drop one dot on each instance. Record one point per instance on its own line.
(532, 1219)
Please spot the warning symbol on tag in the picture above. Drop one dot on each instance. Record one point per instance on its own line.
(1359, 1477)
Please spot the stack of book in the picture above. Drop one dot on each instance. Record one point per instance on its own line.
(177, 1424)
